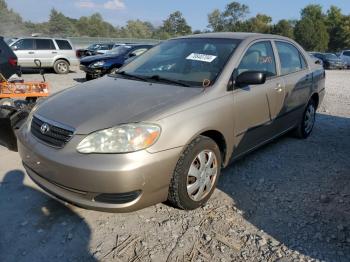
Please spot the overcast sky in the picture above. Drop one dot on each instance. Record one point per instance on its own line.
(195, 11)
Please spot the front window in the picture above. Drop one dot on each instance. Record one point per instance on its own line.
(194, 61)
(331, 56)
(259, 57)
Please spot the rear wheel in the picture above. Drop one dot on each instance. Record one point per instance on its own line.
(61, 67)
(307, 122)
(196, 174)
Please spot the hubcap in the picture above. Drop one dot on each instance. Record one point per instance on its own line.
(309, 119)
(202, 174)
(62, 67)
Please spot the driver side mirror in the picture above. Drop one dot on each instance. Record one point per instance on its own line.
(250, 78)
(318, 62)
(14, 47)
(132, 55)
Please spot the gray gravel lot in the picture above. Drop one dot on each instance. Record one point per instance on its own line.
(288, 201)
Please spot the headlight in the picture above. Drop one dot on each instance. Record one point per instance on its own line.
(98, 64)
(120, 139)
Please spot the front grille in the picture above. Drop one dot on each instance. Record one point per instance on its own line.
(117, 198)
(56, 135)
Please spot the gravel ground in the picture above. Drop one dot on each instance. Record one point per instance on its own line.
(288, 201)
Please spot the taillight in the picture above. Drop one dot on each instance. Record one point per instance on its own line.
(13, 61)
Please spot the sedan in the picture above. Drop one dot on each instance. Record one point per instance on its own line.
(99, 65)
(164, 125)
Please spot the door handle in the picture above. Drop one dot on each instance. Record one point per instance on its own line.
(279, 88)
(31, 53)
(53, 52)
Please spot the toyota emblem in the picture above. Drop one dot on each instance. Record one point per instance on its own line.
(44, 128)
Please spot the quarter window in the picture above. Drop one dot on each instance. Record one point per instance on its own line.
(63, 45)
(259, 57)
(347, 53)
(291, 59)
(44, 44)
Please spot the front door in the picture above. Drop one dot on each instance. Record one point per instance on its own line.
(24, 50)
(252, 114)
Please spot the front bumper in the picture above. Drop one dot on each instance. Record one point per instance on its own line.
(81, 179)
(93, 71)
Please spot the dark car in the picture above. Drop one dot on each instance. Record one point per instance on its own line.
(8, 60)
(95, 49)
(99, 65)
(330, 61)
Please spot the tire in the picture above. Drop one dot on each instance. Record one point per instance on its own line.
(305, 127)
(7, 102)
(185, 189)
(89, 77)
(61, 67)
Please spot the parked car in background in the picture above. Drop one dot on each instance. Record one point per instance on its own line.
(55, 53)
(317, 60)
(8, 60)
(164, 126)
(330, 61)
(95, 49)
(99, 65)
(345, 55)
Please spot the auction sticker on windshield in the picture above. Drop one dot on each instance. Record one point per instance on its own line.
(201, 57)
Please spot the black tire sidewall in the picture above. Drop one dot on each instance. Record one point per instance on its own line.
(202, 143)
(304, 133)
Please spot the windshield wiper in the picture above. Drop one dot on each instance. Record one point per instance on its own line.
(167, 80)
(123, 73)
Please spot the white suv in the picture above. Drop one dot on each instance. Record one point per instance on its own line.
(55, 53)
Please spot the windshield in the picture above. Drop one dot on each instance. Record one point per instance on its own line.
(331, 56)
(194, 61)
(120, 50)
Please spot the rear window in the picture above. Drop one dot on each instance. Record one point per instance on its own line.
(290, 58)
(347, 53)
(44, 44)
(63, 45)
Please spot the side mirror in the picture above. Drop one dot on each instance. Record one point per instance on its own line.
(14, 47)
(250, 78)
(318, 62)
(131, 55)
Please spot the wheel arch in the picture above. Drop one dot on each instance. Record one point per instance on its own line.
(220, 140)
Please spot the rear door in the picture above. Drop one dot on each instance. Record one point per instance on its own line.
(252, 116)
(298, 82)
(45, 51)
(24, 50)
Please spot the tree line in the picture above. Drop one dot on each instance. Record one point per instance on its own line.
(315, 30)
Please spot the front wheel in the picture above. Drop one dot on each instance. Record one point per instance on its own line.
(196, 174)
(307, 122)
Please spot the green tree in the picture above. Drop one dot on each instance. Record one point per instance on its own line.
(259, 24)
(60, 25)
(284, 28)
(176, 25)
(216, 21)
(11, 23)
(338, 29)
(138, 29)
(311, 31)
(231, 19)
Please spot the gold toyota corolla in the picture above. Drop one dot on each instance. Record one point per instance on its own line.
(164, 125)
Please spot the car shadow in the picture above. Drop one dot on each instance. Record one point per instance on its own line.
(298, 191)
(80, 80)
(34, 227)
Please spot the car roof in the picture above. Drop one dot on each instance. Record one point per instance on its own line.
(236, 35)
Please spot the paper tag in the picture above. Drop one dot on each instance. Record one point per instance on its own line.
(201, 57)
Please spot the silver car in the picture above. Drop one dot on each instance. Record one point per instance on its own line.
(55, 53)
(345, 56)
(162, 127)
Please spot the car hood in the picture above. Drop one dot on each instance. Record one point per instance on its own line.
(95, 58)
(110, 101)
